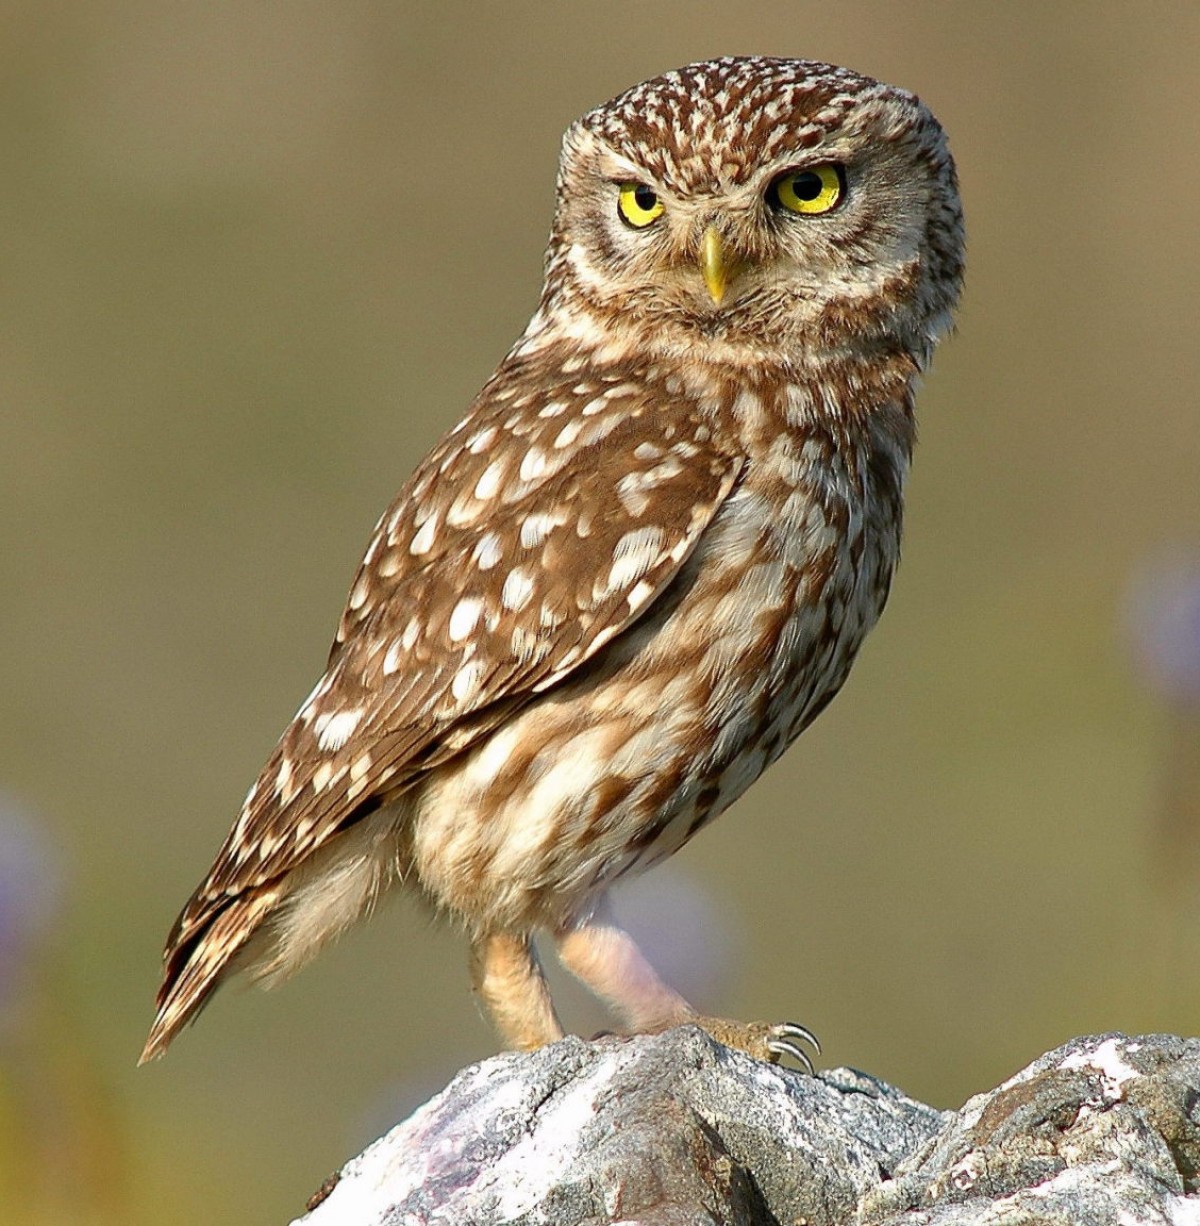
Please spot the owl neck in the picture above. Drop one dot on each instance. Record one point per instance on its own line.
(838, 381)
(857, 400)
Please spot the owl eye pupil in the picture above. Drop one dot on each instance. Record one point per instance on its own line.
(645, 197)
(807, 186)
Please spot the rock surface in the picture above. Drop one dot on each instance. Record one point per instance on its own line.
(676, 1130)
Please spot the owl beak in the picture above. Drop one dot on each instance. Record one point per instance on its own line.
(718, 264)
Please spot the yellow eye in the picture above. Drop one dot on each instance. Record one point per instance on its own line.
(808, 191)
(639, 205)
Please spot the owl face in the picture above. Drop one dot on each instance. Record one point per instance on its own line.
(762, 206)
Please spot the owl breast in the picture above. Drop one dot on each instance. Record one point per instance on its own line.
(797, 570)
(618, 767)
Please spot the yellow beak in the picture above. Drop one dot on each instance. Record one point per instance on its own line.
(718, 265)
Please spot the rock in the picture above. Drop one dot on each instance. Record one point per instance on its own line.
(676, 1130)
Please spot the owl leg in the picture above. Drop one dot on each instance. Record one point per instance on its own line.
(606, 958)
(507, 976)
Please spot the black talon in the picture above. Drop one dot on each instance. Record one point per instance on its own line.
(782, 1047)
(795, 1030)
(780, 1043)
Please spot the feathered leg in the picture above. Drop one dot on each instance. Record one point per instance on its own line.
(507, 976)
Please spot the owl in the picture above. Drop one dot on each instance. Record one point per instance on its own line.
(639, 566)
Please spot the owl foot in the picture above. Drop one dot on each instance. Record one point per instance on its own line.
(763, 1040)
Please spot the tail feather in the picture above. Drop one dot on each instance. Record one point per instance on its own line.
(194, 971)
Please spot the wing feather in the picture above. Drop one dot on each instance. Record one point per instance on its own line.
(524, 543)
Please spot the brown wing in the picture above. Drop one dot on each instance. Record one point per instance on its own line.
(531, 535)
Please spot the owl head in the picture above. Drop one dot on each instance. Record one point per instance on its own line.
(753, 208)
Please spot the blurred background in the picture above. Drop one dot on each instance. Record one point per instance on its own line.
(256, 257)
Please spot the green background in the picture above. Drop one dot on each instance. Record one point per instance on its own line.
(255, 257)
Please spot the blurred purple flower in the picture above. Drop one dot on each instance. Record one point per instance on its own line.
(30, 889)
(1164, 619)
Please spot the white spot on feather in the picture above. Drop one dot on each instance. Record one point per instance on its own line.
(533, 465)
(466, 680)
(518, 588)
(358, 597)
(463, 510)
(481, 441)
(568, 434)
(422, 541)
(535, 528)
(391, 661)
(335, 729)
(487, 552)
(527, 645)
(639, 594)
(633, 556)
(747, 406)
(669, 468)
(464, 618)
(489, 482)
(632, 496)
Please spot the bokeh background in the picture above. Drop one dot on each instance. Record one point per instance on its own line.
(257, 256)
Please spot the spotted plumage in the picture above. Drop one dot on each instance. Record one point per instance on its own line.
(642, 562)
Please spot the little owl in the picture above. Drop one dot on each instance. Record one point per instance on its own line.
(640, 565)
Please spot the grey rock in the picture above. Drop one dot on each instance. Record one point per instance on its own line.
(676, 1130)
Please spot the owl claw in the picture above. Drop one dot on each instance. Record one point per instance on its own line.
(764, 1040)
(779, 1046)
(793, 1030)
